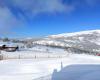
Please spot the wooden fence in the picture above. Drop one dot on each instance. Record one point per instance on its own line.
(30, 56)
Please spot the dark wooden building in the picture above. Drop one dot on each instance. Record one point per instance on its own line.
(8, 49)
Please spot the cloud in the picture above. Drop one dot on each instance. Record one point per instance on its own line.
(92, 2)
(25, 8)
(8, 21)
(15, 13)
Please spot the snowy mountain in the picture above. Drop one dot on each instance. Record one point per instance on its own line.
(84, 41)
(77, 42)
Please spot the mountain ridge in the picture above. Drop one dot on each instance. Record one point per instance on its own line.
(84, 40)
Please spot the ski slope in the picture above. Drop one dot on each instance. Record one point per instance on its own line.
(31, 69)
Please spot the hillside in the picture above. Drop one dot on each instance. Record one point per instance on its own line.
(77, 42)
(84, 41)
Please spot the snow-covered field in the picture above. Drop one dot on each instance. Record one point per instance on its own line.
(34, 69)
(40, 59)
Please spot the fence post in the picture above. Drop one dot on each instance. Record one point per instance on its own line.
(1, 56)
(19, 56)
(35, 56)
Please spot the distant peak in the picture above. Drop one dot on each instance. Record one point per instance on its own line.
(75, 33)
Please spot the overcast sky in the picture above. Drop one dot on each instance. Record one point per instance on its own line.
(32, 18)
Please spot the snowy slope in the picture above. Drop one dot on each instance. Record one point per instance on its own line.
(76, 33)
(78, 72)
(88, 41)
(77, 42)
(31, 69)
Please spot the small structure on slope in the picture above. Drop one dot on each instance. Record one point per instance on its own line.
(8, 49)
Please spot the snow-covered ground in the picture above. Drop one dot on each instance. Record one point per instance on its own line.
(31, 69)
(39, 60)
(78, 72)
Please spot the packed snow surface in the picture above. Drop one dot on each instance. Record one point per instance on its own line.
(31, 69)
(78, 72)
